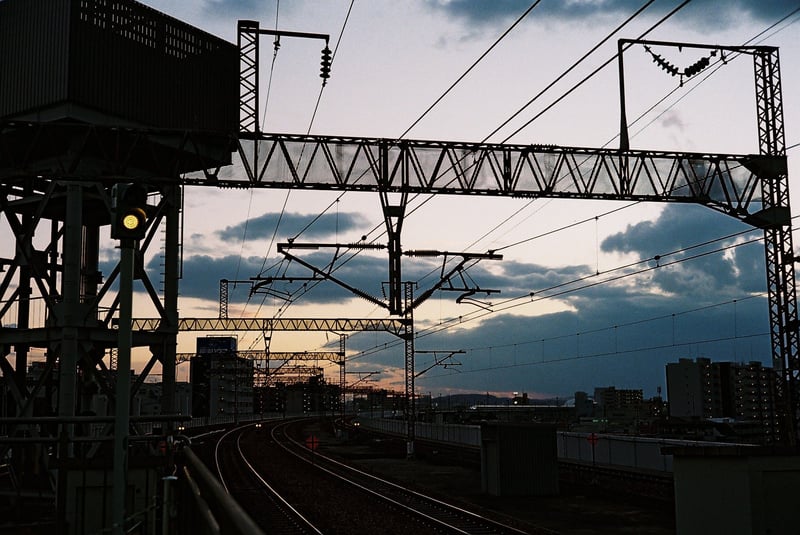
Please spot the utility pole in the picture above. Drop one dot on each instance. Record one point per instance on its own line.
(123, 398)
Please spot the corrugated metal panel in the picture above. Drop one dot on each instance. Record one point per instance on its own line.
(115, 62)
(33, 54)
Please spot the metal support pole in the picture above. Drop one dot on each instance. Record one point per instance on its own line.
(624, 142)
(779, 251)
(70, 319)
(223, 298)
(168, 505)
(172, 245)
(408, 336)
(342, 375)
(122, 413)
(393, 214)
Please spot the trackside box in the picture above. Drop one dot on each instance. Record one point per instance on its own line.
(113, 63)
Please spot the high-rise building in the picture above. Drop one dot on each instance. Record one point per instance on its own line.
(610, 398)
(222, 382)
(741, 392)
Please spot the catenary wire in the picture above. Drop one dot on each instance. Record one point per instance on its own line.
(263, 121)
(526, 298)
(574, 86)
(641, 116)
(308, 130)
(377, 227)
(445, 93)
(792, 146)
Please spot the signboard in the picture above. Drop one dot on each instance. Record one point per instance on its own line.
(216, 344)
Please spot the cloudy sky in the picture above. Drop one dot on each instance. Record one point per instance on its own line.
(583, 301)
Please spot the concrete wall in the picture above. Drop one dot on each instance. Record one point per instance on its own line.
(736, 491)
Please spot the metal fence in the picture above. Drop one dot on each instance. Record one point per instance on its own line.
(642, 453)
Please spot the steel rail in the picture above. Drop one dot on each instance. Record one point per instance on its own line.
(283, 507)
(440, 514)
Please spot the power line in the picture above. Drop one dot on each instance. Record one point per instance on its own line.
(612, 328)
(529, 298)
(474, 64)
(570, 69)
(614, 353)
(575, 86)
(632, 123)
(447, 91)
(593, 73)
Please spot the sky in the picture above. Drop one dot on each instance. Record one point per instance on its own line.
(567, 316)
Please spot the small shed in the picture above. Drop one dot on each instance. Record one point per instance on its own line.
(736, 490)
(519, 459)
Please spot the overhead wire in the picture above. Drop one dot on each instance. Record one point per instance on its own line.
(792, 146)
(436, 102)
(564, 289)
(458, 80)
(564, 95)
(575, 64)
(593, 73)
(597, 330)
(310, 125)
(640, 117)
(474, 64)
(263, 120)
(614, 353)
(444, 325)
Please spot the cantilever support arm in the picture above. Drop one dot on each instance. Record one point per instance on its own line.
(282, 248)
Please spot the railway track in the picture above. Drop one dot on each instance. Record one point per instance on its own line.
(338, 499)
(439, 516)
(265, 504)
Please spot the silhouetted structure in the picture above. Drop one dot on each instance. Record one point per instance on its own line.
(222, 382)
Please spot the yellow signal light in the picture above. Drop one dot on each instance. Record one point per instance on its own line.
(133, 219)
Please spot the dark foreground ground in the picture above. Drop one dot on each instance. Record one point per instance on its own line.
(576, 510)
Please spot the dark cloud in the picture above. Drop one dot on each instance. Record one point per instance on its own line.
(710, 14)
(674, 236)
(292, 223)
(202, 274)
(604, 342)
(620, 334)
(238, 8)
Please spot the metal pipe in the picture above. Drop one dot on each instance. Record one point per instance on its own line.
(94, 419)
(232, 518)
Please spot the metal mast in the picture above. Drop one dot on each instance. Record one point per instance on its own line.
(778, 248)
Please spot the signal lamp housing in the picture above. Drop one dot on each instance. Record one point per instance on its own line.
(128, 211)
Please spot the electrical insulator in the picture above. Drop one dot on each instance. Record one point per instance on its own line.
(325, 69)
